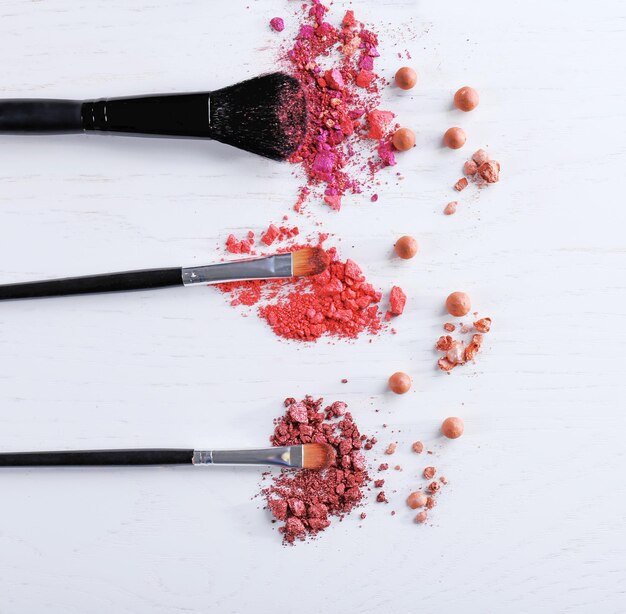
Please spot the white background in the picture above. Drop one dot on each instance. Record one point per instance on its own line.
(533, 518)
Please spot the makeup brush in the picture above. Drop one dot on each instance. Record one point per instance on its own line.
(316, 456)
(266, 115)
(301, 263)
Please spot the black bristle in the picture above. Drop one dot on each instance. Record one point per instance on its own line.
(266, 115)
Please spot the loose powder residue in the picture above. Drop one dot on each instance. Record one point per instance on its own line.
(456, 351)
(349, 138)
(306, 501)
(338, 303)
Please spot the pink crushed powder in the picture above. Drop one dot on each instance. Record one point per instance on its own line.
(349, 138)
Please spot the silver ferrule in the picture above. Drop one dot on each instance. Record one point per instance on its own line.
(288, 456)
(270, 267)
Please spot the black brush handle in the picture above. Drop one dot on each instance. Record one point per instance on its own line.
(39, 116)
(109, 282)
(85, 458)
(183, 115)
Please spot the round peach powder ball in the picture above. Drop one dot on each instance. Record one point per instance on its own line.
(452, 428)
(406, 78)
(400, 382)
(416, 499)
(466, 99)
(454, 138)
(406, 247)
(403, 139)
(458, 304)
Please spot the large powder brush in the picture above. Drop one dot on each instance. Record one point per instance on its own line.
(266, 115)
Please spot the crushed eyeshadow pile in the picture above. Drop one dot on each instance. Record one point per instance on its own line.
(306, 501)
(339, 302)
(480, 169)
(349, 138)
(456, 351)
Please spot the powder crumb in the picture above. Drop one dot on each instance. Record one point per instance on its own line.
(449, 327)
(277, 24)
(434, 487)
(470, 168)
(243, 246)
(430, 503)
(391, 448)
(429, 473)
(379, 483)
(381, 498)
(483, 325)
(450, 208)
(374, 198)
(489, 171)
(421, 517)
(383, 467)
(398, 468)
(363, 515)
(417, 447)
(461, 184)
(344, 381)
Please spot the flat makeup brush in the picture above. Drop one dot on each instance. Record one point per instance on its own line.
(316, 456)
(266, 115)
(301, 263)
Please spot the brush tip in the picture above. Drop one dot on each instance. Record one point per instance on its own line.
(310, 261)
(317, 456)
(266, 115)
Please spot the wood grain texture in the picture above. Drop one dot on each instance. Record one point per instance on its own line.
(533, 518)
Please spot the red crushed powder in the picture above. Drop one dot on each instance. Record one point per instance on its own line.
(243, 246)
(306, 501)
(339, 302)
(457, 352)
(342, 98)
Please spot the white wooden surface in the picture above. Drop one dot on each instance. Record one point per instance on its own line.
(533, 519)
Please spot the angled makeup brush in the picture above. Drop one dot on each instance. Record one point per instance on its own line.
(301, 263)
(266, 115)
(315, 456)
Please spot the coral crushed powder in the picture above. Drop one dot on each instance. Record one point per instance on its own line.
(349, 138)
(339, 302)
(456, 352)
(305, 501)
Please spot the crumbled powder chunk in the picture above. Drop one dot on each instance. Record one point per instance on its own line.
(429, 473)
(397, 300)
(391, 448)
(483, 325)
(449, 327)
(433, 487)
(450, 208)
(277, 24)
(381, 498)
(379, 483)
(461, 184)
(417, 447)
(383, 467)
